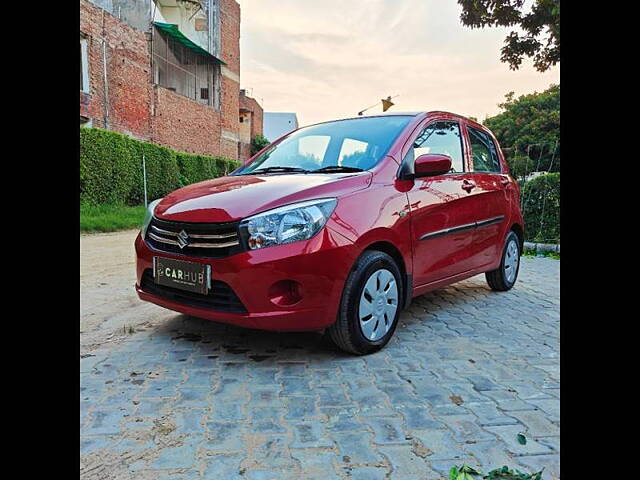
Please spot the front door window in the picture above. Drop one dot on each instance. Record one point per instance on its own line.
(441, 137)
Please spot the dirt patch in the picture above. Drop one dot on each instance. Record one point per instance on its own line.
(110, 309)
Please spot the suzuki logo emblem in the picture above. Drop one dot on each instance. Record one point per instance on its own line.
(183, 239)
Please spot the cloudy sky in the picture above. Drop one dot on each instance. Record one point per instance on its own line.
(331, 58)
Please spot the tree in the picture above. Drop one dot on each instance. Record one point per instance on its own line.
(543, 20)
(529, 131)
(258, 143)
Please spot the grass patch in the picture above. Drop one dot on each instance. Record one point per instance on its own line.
(110, 218)
(532, 253)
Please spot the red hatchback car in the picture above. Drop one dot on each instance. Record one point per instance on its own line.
(336, 226)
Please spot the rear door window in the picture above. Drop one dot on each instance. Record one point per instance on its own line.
(483, 151)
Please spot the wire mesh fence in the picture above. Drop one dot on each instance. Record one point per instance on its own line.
(536, 168)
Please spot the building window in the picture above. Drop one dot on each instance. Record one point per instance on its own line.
(182, 70)
(84, 66)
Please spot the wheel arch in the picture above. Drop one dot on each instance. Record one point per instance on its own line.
(519, 231)
(391, 250)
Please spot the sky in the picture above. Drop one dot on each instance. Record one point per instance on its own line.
(332, 58)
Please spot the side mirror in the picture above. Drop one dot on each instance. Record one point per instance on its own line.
(432, 164)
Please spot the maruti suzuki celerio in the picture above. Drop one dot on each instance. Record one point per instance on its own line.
(335, 227)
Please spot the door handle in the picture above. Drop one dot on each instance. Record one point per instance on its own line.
(468, 185)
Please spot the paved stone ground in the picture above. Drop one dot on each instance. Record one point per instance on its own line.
(467, 370)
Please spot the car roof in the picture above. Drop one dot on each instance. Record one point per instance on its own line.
(407, 114)
(402, 114)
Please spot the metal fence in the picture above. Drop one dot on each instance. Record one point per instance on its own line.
(540, 193)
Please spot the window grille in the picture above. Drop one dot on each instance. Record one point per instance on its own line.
(182, 70)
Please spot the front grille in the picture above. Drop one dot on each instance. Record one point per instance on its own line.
(221, 296)
(209, 240)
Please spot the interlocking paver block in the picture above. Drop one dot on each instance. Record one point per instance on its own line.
(105, 422)
(175, 457)
(490, 454)
(267, 420)
(225, 466)
(551, 406)
(190, 421)
(315, 465)
(299, 408)
(440, 443)
(537, 423)
(310, 435)
(228, 410)
(550, 463)
(343, 422)
(388, 431)
(331, 396)
(91, 444)
(406, 464)
(509, 435)
(507, 401)
(272, 451)
(489, 414)
(368, 473)
(295, 386)
(466, 430)
(357, 448)
(266, 396)
(223, 436)
(419, 418)
(429, 391)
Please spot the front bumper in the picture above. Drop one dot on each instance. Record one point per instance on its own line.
(319, 265)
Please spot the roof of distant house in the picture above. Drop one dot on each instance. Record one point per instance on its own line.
(277, 124)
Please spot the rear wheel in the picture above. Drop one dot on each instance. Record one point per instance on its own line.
(504, 277)
(370, 305)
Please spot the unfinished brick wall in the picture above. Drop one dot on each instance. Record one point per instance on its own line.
(185, 125)
(250, 104)
(128, 65)
(252, 112)
(230, 81)
(146, 111)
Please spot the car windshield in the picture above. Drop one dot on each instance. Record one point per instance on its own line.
(343, 145)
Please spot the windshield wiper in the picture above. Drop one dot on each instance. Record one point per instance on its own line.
(337, 168)
(277, 169)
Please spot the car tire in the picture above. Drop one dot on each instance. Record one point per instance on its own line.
(505, 276)
(366, 292)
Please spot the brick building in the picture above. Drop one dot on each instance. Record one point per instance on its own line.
(168, 72)
(251, 118)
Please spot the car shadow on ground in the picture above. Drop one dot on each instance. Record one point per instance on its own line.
(259, 345)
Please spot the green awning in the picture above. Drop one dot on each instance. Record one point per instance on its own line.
(172, 30)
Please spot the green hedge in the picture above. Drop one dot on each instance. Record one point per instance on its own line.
(541, 210)
(111, 168)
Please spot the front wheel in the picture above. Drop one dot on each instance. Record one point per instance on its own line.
(504, 277)
(370, 305)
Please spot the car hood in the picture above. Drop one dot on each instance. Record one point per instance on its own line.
(231, 198)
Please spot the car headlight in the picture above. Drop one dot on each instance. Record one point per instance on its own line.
(291, 223)
(148, 216)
